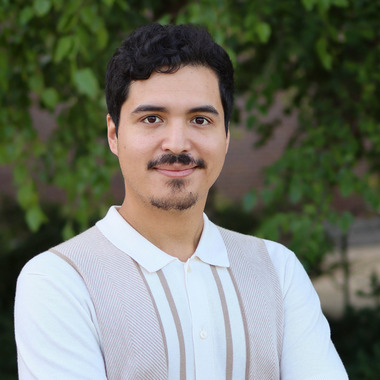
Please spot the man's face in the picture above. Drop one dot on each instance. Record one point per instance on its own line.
(171, 141)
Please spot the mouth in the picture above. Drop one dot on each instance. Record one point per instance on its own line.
(175, 171)
(176, 166)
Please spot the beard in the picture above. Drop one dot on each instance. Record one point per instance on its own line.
(179, 200)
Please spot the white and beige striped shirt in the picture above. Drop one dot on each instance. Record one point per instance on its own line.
(197, 304)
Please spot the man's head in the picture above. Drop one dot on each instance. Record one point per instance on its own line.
(165, 49)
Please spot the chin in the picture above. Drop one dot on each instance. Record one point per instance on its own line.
(174, 203)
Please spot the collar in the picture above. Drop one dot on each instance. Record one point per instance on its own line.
(211, 248)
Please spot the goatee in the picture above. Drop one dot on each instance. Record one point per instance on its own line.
(174, 203)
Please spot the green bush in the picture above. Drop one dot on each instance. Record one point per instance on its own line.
(357, 337)
(19, 245)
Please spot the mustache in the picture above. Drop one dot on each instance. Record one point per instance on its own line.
(181, 158)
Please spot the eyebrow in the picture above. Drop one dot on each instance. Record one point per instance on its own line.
(149, 108)
(153, 108)
(204, 109)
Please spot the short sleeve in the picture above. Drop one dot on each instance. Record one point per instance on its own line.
(308, 352)
(56, 330)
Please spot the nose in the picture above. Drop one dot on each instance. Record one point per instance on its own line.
(176, 138)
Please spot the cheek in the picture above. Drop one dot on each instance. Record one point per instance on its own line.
(134, 154)
(132, 146)
(216, 151)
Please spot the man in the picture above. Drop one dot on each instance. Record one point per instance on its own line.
(155, 290)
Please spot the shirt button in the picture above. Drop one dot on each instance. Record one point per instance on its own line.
(188, 268)
(203, 334)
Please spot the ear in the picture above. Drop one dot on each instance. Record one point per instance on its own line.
(228, 139)
(111, 134)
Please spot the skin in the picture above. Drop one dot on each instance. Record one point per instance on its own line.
(170, 114)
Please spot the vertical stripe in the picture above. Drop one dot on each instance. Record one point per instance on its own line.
(157, 313)
(247, 340)
(177, 322)
(227, 324)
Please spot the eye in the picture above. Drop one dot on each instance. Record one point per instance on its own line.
(151, 119)
(200, 120)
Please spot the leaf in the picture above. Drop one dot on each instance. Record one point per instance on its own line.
(324, 5)
(263, 31)
(109, 3)
(35, 217)
(251, 121)
(20, 173)
(26, 15)
(308, 4)
(36, 83)
(41, 7)
(90, 18)
(49, 97)
(310, 209)
(295, 192)
(58, 4)
(340, 3)
(345, 221)
(165, 19)
(26, 195)
(249, 200)
(68, 231)
(102, 37)
(86, 82)
(346, 183)
(63, 48)
(267, 195)
(324, 55)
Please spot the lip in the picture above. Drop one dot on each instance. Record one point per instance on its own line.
(176, 172)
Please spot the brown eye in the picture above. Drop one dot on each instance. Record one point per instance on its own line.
(200, 120)
(151, 119)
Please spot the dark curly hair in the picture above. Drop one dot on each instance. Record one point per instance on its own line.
(164, 49)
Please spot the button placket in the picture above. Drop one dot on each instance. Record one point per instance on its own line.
(200, 312)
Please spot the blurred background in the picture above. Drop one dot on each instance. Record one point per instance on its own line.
(304, 161)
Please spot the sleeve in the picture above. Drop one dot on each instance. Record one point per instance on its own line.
(56, 330)
(308, 352)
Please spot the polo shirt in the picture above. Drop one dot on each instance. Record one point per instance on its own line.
(57, 332)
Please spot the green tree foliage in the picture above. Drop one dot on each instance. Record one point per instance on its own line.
(322, 54)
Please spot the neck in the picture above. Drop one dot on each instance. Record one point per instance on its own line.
(175, 232)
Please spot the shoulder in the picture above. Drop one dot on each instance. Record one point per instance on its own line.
(47, 274)
(50, 288)
(47, 286)
(278, 253)
(287, 266)
(51, 273)
(281, 256)
(87, 238)
(46, 264)
(237, 240)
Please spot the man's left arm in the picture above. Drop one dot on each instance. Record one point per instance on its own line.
(308, 352)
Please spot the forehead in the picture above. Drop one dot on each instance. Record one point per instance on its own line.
(188, 87)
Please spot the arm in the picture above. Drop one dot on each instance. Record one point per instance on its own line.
(56, 330)
(308, 352)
